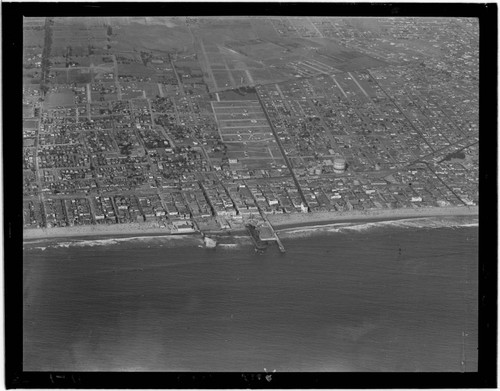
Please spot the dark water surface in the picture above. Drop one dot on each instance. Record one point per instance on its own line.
(383, 300)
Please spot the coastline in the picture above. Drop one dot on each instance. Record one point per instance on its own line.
(115, 230)
(283, 222)
(280, 222)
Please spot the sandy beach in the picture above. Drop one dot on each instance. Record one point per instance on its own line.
(94, 230)
(278, 221)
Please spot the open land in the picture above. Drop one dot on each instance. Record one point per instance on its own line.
(182, 125)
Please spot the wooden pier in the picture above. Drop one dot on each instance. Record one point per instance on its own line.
(274, 235)
(280, 245)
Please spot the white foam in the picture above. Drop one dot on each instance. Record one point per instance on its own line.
(115, 241)
(239, 236)
(313, 227)
(228, 246)
(418, 222)
(470, 225)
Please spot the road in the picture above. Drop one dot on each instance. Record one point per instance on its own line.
(117, 83)
(402, 112)
(289, 165)
(359, 85)
(437, 152)
(444, 183)
(207, 61)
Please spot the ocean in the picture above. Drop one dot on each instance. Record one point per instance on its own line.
(366, 297)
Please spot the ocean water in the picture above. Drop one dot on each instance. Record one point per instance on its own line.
(368, 298)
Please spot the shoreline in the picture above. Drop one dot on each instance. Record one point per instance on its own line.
(114, 231)
(284, 222)
(280, 222)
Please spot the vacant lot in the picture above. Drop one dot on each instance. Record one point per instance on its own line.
(61, 98)
(30, 123)
(246, 132)
(244, 123)
(79, 76)
(27, 111)
(135, 69)
(239, 94)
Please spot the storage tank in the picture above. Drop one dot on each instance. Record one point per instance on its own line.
(339, 164)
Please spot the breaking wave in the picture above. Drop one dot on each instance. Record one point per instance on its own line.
(162, 240)
(452, 222)
(228, 246)
(419, 222)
